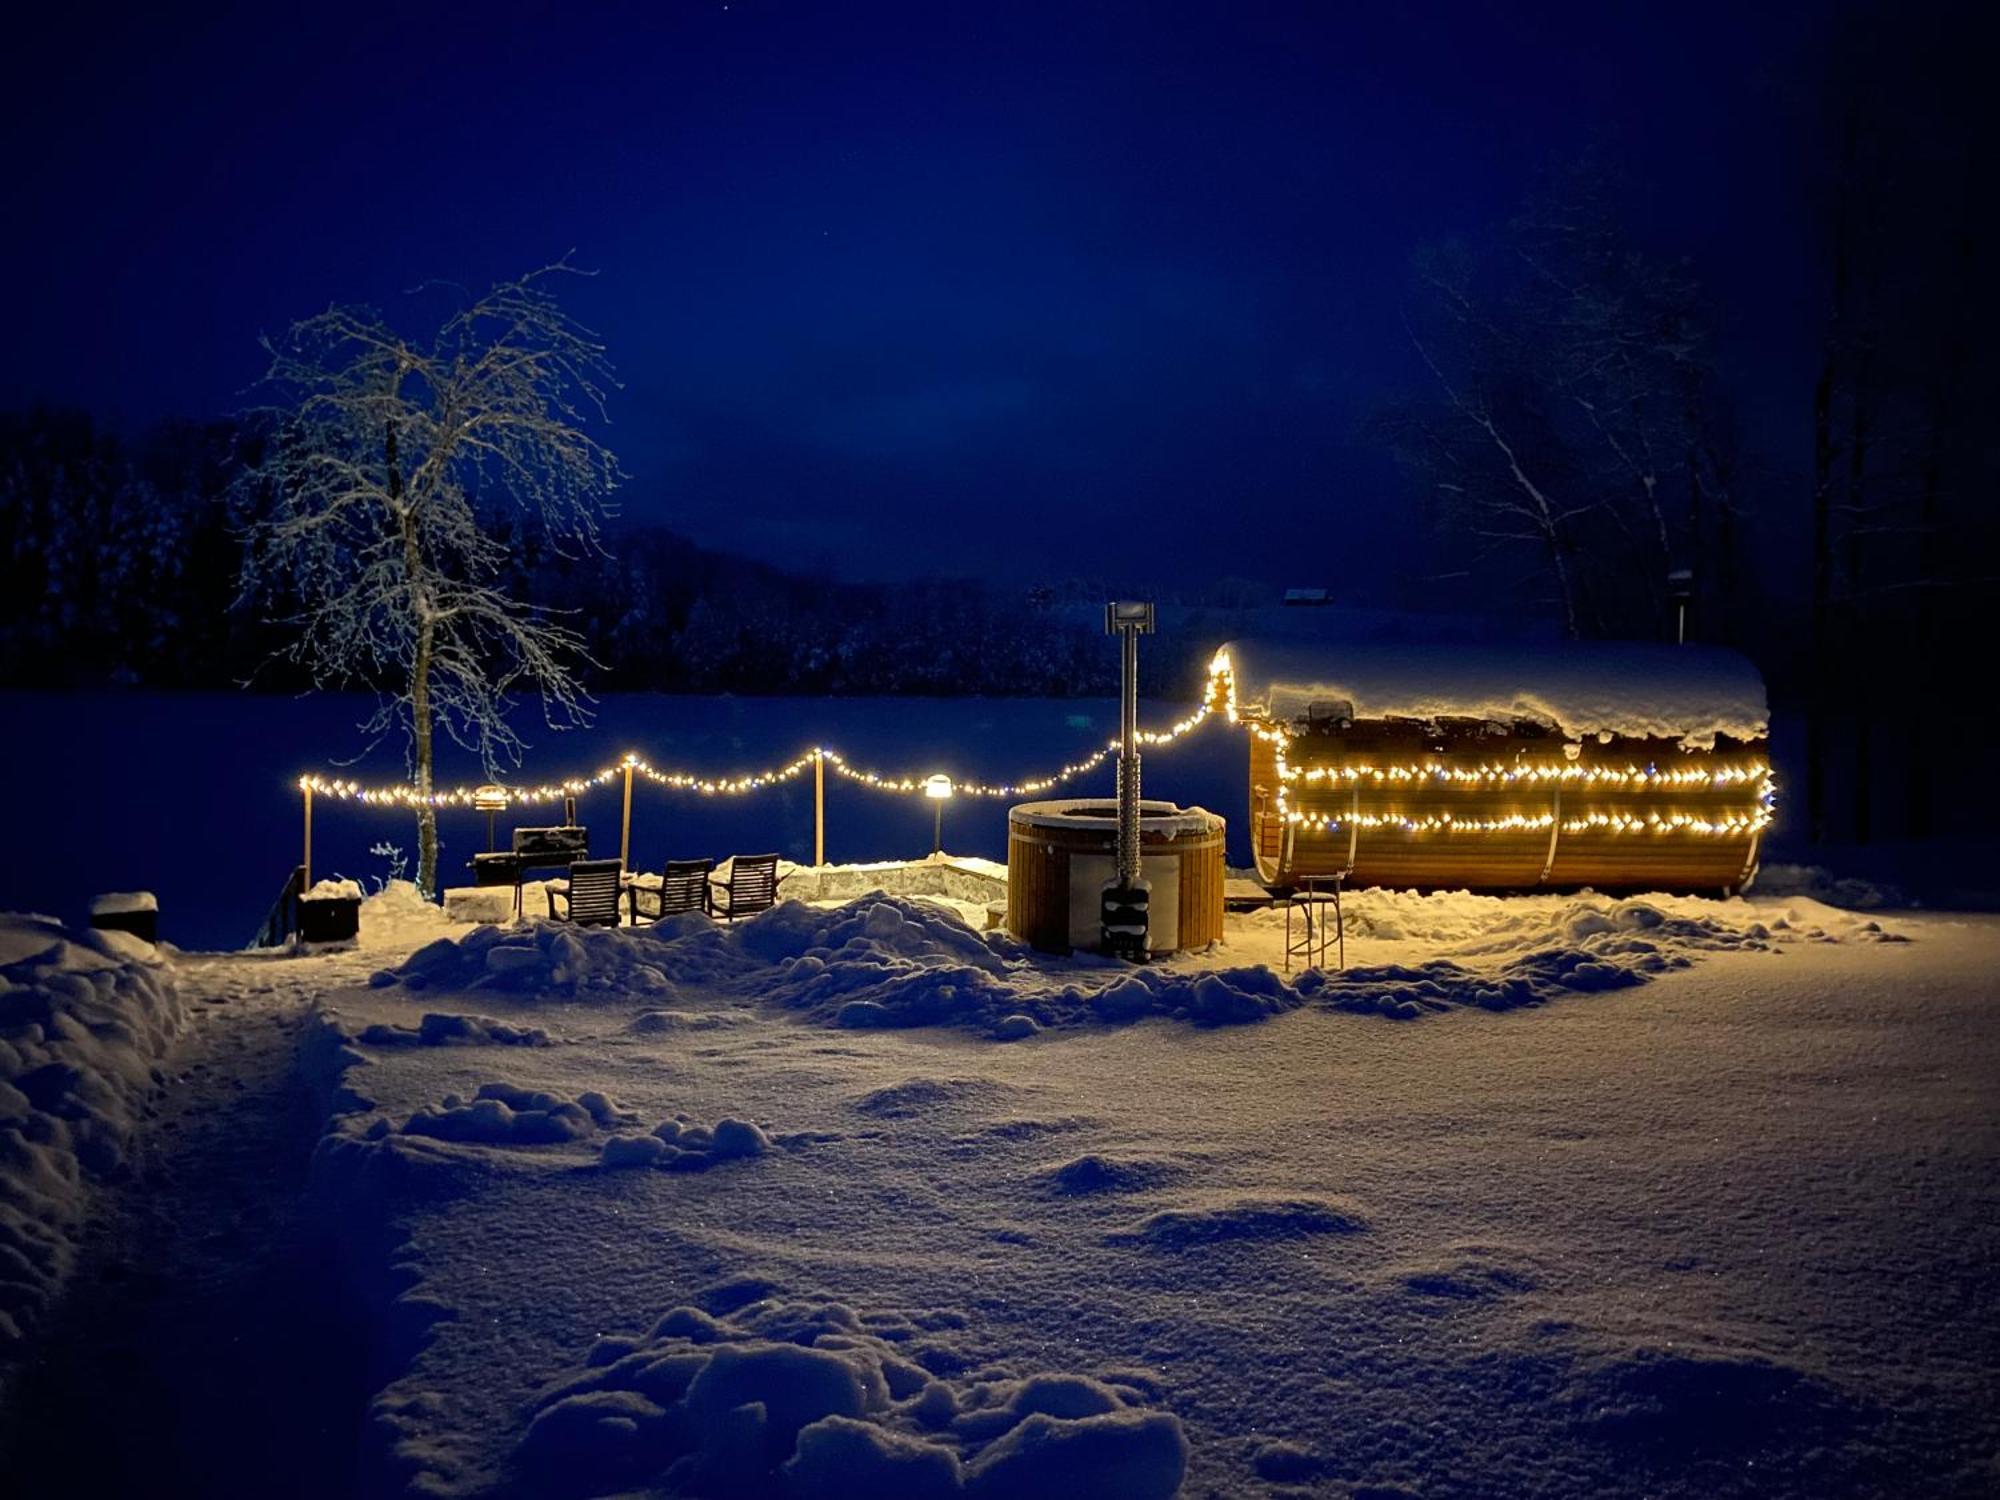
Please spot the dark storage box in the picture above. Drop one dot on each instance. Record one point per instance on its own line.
(141, 924)
(329, 919)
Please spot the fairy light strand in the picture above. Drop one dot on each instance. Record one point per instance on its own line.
(1219, 698)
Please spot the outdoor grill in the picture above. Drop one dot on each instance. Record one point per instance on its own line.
(533, 849)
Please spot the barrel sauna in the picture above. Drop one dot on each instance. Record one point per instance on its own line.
(1619, 767)
(1061, 854)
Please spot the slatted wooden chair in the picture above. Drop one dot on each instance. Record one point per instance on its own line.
(683, 887)
(752, 887)
(590, 895)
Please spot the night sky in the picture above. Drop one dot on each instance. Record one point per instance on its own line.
(879, 278)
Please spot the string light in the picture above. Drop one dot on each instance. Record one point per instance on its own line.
(1532, 822)
(1219, 697)
(1752, 776)
(1638, 776)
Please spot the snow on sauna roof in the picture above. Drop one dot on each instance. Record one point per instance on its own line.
(1690, 693)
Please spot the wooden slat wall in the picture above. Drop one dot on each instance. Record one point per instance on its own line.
(1038, 881)
(1037, 891)
(1504, 859)
(1201, 891)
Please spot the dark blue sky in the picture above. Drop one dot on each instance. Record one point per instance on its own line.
(892, 285)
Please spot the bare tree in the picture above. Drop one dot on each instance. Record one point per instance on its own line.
(386, 463)
(1573, 396)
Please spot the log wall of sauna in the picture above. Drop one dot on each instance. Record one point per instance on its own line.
(1504, 859)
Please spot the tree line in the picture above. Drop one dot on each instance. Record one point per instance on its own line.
(121, 560)
(1572, 435)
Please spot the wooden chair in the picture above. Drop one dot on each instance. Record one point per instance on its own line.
(683, 887)
(752, 887)
(590, 895)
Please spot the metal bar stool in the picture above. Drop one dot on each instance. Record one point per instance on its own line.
(1313, 895)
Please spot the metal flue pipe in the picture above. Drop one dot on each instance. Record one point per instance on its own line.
(1128, 759)
(1125, 923)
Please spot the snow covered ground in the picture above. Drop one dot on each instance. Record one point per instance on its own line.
(1555, 1195)
(85, 1019)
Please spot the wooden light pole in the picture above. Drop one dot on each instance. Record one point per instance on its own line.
(307, 862)
(819, 807)
(625, 827)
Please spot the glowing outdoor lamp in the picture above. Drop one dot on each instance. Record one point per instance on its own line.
(490, 799)
(938, 789)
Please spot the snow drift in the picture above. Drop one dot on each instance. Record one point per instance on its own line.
(84, 1020)
(884, 961)
(810, 1398)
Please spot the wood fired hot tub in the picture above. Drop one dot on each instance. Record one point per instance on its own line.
(1062, 853)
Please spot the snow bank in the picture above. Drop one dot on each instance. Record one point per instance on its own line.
(84, 1020)
(398, 916)
(1688, 693)
(558, 960)
(1523, 951)
(956, 877)
(809, 1398)
(123, 903)
(1460, 922)
(445, 1028)
(508, 1114)
(1818, 883)
(886, 961)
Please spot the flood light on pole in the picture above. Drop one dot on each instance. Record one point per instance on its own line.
(939, 789)
(490, 799)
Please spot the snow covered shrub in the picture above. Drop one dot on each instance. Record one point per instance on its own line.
(84, 1020)
(808, 1398)
(398, 863)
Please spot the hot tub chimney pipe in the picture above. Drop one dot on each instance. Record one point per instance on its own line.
(1125, 922)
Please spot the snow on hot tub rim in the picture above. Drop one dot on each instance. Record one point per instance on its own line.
(1157, 817)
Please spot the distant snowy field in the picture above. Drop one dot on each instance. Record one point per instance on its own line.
(1555, 1196)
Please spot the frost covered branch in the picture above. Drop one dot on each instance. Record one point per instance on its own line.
(392, 474)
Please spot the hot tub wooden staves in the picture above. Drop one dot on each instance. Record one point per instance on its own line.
(1061, 853)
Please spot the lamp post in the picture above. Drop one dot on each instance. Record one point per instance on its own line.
(490, 799)
(1680, 589)
(1124, 910)
(938, 789)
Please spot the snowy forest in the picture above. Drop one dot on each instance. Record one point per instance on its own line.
(123, 557)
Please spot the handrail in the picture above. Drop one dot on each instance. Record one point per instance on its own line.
(283, 918)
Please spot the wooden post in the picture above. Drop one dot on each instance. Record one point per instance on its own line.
(819, 807)
(308, 860)
(625, 828)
